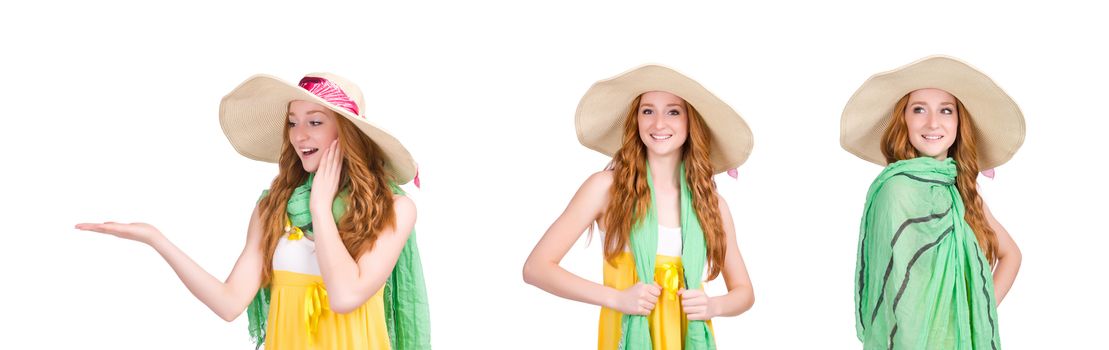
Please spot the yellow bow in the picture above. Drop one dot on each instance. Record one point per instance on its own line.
(669, 276)
(294, 232)
(315, 303)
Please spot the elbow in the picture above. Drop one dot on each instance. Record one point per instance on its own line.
(531, 273)
(345, 304)
(227, 315)
(750, 300)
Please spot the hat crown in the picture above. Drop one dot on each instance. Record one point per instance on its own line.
(349, 88)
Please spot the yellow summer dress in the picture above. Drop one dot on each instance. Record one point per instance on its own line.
(300, 317)
(667, 321)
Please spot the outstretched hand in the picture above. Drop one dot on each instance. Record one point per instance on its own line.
(140, 232)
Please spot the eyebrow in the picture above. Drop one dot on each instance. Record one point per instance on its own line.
(669, 105)
(320, 111)
(922, 103)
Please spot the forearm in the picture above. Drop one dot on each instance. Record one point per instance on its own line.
(346, 289)
(736, 302)
(556, 280)
(1005, 275)
(205, 287)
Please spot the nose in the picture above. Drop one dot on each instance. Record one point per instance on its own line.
(296, 135)
(659, 123)
(933, 121)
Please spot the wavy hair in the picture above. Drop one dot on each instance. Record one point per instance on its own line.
(631, 196)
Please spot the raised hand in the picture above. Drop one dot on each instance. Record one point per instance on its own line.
(326, 183)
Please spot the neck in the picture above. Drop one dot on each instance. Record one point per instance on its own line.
(664, 168)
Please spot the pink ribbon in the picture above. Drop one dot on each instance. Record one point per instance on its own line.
(988, 173)
(329, 92)
(734, 173)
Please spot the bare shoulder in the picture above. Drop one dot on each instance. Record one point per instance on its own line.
(403, 204)
(599, 182)
(723, 205)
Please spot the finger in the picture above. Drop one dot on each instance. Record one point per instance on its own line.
(646, 305)
(648, 301)
(654, 289)
(331, 153)
(692, 310)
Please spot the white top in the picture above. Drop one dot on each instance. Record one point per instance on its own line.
(669, 241)
(296, 256)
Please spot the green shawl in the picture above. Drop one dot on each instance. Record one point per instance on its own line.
(921, 280)
(636, 334)
(406, 308)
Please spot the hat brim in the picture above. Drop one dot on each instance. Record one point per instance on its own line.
(601, 113)
(998, 122)
(253, 118)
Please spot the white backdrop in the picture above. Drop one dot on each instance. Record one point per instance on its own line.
(110, 113)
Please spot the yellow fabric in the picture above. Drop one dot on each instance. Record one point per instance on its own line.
(667, 321)
(300, 319)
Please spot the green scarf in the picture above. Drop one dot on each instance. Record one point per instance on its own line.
(921, 280)
(636, 333)
(405, 297)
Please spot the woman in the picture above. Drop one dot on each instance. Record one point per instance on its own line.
(657, 206)
(330, 245)
(928, 242)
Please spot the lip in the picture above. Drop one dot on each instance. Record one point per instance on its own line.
(661, 137)
(307, 151)
(932, 138)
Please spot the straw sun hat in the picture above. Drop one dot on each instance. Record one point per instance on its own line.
(253, 117)
(601, 113)
(998, 122)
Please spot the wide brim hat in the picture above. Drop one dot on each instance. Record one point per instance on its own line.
(998, 121)
(602, 111)
(254, 115)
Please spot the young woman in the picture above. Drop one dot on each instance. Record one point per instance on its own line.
(663, 222)
(933, 263)
(330, 260)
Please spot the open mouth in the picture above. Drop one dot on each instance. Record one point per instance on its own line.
(661, 137)
(932, 137)
(308, 151)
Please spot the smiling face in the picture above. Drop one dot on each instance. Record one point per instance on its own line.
(311, 128)
(932, 120)
(663, 122)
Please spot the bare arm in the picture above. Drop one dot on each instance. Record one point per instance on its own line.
(227, 299)
(741, 295)
(350, 283)
(1008, 258)
(542, 267)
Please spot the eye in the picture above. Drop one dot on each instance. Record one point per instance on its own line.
(647, 111)
(290, 124)
(947, 111)
(674, 112)
(315, 123)
(918, 110)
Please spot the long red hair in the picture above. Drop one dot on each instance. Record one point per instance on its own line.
(630, 195)
(896, 146)
(369, 197)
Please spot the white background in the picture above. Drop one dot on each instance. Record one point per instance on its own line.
(110, 113)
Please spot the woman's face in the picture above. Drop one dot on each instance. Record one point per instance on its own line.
(663, 122)
(933, 122)
(312, 128)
